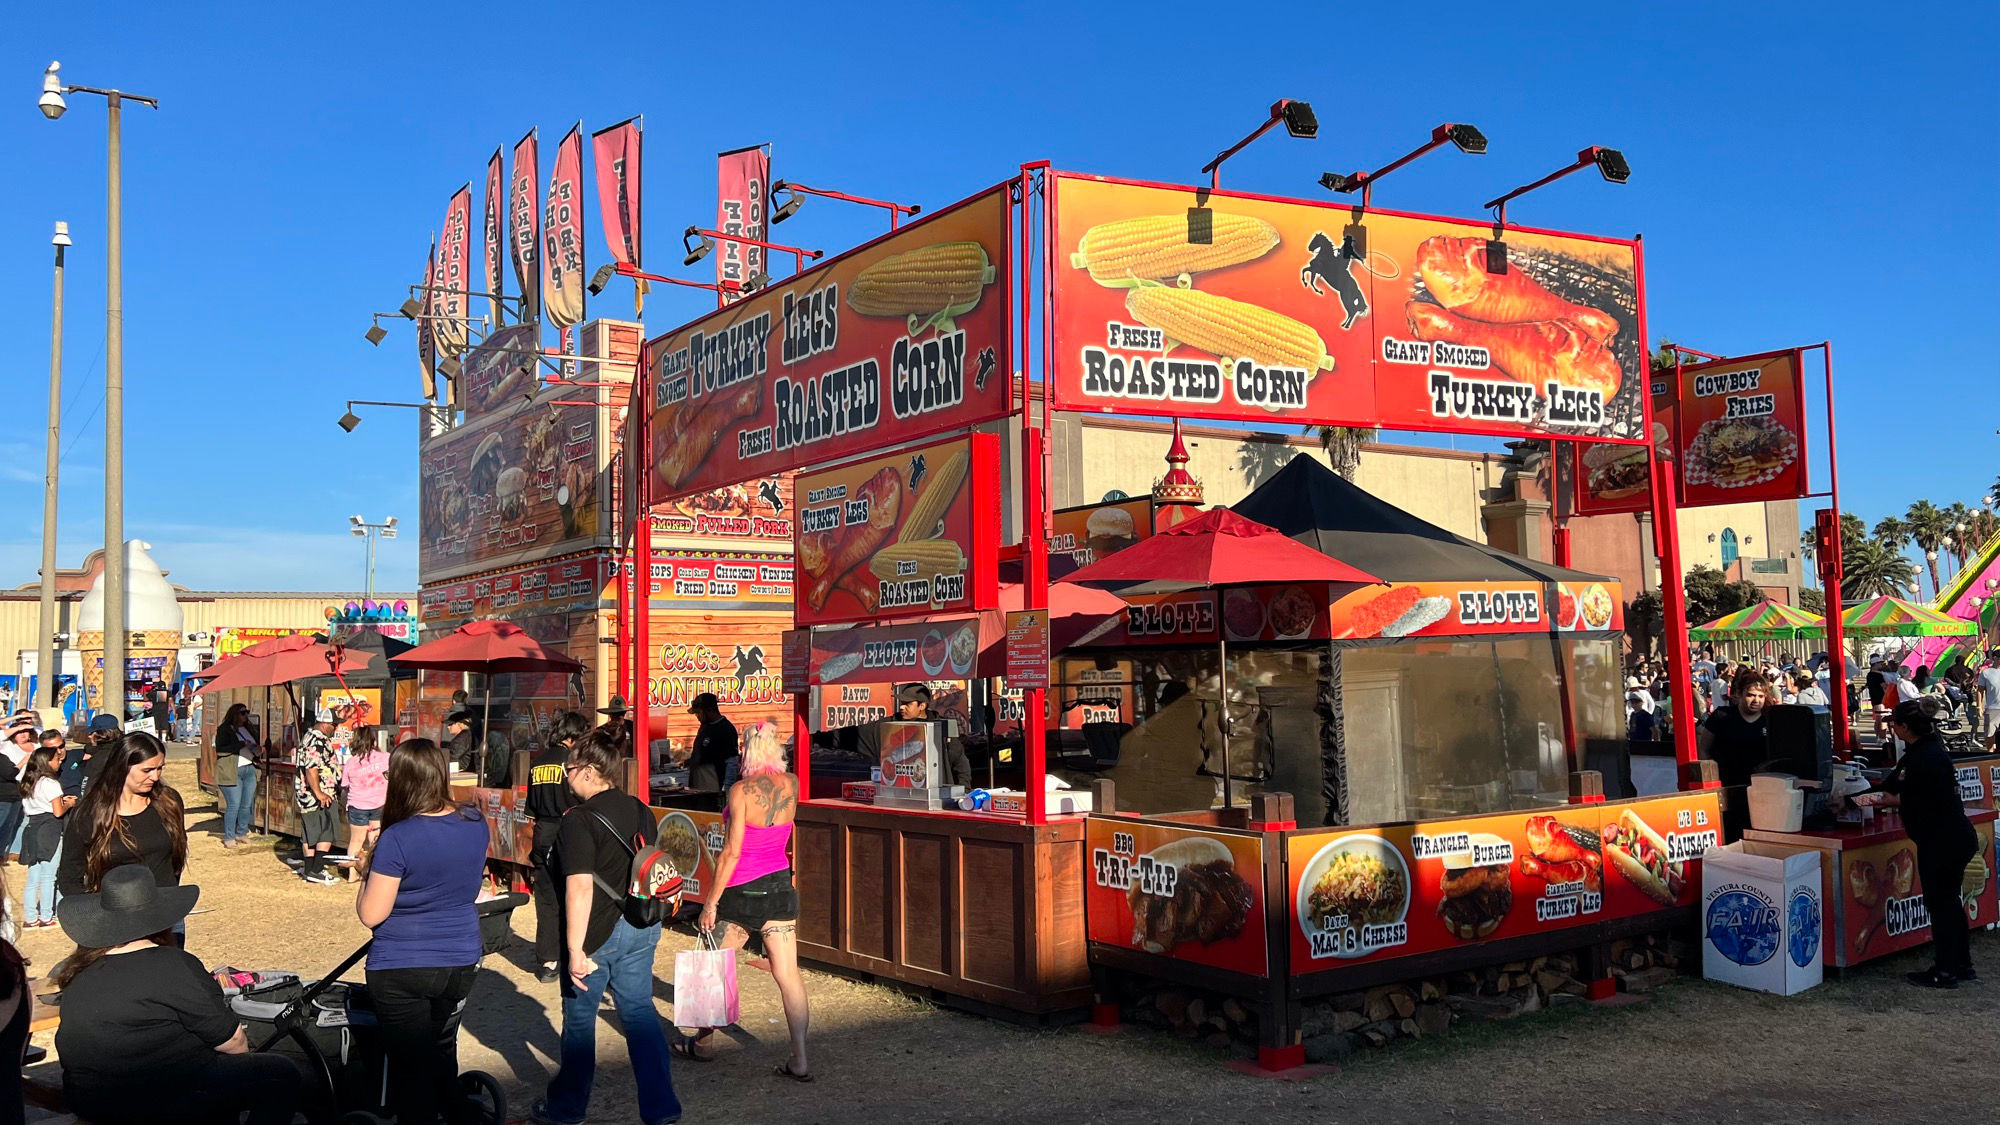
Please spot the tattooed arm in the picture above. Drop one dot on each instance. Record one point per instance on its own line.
(736, 807)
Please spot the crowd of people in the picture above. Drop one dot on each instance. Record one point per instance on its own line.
(105, 840)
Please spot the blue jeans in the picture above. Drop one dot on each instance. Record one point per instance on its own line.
(625, 965)
(39, 897)
(238, 802)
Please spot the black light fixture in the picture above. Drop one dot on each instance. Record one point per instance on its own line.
(601, 278)
(695, 251)
(375, 334)
(790, 206)
(1609, 161)
(1466, 138)
(350, 420)
(450, 367)
(1298, 119)
(411, 308)
(757, 281)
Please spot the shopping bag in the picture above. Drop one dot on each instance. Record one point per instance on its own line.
(705, 987)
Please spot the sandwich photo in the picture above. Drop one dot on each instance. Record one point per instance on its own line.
(1640, 855)
(1613, 472)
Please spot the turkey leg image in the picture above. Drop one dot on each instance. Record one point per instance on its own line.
(1454, 270)
(1547, 351)
(689, 443)
(841, 551)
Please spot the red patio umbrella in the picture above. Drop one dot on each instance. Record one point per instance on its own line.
(1216, 548)
(490, 648)
(283, 660)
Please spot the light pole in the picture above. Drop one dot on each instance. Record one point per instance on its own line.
(45, 650)
(369, 531)
(53, 105)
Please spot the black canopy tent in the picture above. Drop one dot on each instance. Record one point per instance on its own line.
(1452, 721)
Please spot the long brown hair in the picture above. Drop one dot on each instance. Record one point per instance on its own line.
(419, 784)
(99, 808)
(85, 956)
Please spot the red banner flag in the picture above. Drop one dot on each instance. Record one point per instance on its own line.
(562, 234)
(525, 233)
(743, 178)
(426, 341)
(616, 152)
(495, 201)
(454, 264)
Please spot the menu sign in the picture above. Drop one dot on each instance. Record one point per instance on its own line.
(514, 487)
(902, 535)
(743, 580)
(1439, 885)
(903, 337)
(1028, 649)
(1081, 535)
(853, 705)
(1600, 479)
(1197, 303)
(1741, 430)
(1190, 894)
(917, 650)
(796, 661)
(758, 509)
(571, 586)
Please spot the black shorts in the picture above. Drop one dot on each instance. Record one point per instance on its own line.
(316, 826)
(760, 902)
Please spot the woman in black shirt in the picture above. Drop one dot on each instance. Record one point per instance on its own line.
(1735, 737)
(127, 816)
(1925, 786)
(549, 797)
(146, 1035)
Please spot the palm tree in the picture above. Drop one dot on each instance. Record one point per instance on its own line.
(1343, 446)
(1872, 567)
(1929, 528)
(1893, 531)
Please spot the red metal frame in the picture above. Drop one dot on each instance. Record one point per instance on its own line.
(799, 253)
(1799, 363)
(896, 210)
(636, 273)
(1052, 311)
(1673, 594)
(640, 701)
(1836, 640)
(1584, 159)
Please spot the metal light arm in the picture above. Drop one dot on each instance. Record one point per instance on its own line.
(636, 273)
(1307, 126)
(784, 211)
(116, 95)
(1595, 154)
(696, 251)
(1467, 138)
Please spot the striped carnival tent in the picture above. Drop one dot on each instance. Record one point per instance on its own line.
(1765, 621)
(1885, 616)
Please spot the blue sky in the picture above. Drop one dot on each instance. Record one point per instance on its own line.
(1798, 175)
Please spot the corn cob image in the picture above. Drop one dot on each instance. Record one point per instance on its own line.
(931, 557)
(930, 285)
(1228, 329)
(1120, 254)
(929, 509)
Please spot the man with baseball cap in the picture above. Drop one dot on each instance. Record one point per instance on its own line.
(714, 745)
(317, 769)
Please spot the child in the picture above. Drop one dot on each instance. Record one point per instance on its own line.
(43, 803)
(365, 776)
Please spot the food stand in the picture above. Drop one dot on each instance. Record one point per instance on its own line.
(882, 376)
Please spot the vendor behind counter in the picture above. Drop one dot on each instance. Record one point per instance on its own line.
(913, 704)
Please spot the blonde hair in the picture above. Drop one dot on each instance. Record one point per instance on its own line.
(763, 750)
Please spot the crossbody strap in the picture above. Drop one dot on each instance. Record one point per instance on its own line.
(614, 894)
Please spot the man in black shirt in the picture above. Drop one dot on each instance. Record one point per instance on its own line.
(601, 949)
(459, 746)
(549, 797)
(162, 702)
(714, 745)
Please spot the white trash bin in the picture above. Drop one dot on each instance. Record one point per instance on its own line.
(1762, 921)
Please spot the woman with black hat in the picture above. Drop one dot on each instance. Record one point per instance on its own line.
(146, 1035)
(1925, 787)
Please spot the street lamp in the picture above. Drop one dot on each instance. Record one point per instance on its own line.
(371, 531)
(439, 414)
(53, 105)
(45, 647)
(1299, 122)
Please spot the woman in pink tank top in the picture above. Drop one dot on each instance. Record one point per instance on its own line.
(754, 873)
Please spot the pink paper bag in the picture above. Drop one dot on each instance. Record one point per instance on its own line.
(705, 988)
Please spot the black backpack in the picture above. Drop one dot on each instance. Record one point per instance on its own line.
(652, 894)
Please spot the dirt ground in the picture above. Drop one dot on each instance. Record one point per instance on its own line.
(1867, 1049)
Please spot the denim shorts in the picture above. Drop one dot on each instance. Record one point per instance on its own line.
(362, 818)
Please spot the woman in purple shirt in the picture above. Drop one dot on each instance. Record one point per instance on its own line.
(421, 879)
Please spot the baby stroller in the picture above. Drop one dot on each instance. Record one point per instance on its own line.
(328, 1027)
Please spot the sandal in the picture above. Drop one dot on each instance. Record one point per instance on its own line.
(784, 1070)
(685, 1045)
